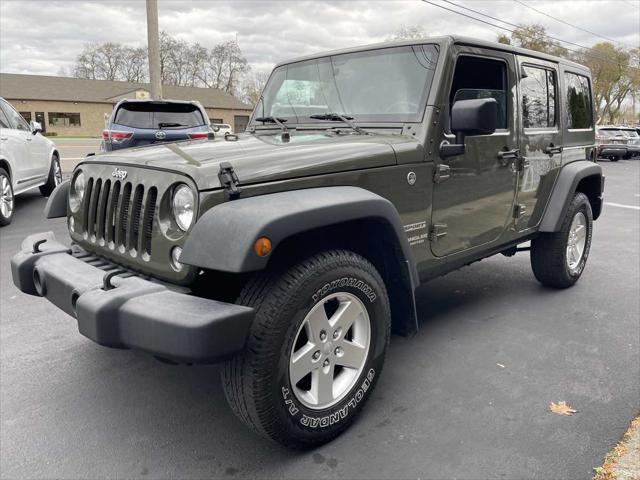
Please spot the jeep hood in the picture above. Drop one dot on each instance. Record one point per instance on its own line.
(261, 157)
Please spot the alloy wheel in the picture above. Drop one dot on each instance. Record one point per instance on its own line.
(57, 171)
(330, 350)
(576, 241)
(6, 197)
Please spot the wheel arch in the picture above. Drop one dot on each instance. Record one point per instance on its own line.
(303, 222)
(4, 163)
(581, 176)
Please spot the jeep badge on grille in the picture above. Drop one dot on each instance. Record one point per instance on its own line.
(121, 174)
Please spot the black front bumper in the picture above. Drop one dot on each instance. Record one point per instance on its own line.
(129, 312)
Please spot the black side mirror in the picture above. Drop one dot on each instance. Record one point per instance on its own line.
(468, 118)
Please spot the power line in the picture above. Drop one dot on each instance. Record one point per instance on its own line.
(603, 59)
(572, 25)
(519, 26)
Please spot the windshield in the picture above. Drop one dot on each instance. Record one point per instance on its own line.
(159, 115)
(385, 85)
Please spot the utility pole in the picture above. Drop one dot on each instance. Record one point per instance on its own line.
(153, 40)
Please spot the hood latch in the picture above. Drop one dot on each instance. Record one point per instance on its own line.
(229, 181)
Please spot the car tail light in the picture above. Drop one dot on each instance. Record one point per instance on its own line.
(198, 135)
(116, 135)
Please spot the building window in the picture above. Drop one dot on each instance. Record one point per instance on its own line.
(578, 101)
(26, 116)
(538, 98)
(240, 123)
(216, 120)
(57, 119)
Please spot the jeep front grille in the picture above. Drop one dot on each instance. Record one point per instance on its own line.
(120, 215)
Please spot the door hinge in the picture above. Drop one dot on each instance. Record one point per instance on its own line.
(520, 164)
(519, 210)
(442, 173)
(229, 181)
(436, 231)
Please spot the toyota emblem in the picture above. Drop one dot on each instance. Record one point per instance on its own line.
(160, 135)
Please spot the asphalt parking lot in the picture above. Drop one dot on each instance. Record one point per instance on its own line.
(467, 397)
(72, 150)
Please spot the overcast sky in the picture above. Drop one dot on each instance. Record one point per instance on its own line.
(40, 37)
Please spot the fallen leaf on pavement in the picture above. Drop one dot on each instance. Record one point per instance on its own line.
(561, 408)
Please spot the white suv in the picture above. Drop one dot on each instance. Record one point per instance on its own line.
(27, 160)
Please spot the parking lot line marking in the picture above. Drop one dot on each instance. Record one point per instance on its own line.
(620, 205)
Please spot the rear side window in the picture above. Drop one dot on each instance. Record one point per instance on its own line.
(481, 78)
(159, 115)
(578, 100)
(538, 93)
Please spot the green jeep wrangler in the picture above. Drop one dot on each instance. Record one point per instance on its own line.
(292, 251)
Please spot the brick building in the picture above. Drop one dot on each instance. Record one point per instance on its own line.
(74, 106)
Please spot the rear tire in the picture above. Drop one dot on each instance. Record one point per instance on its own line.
(296, 348)
(614, 159)
(55, 176)
(7, 201)
(558, 258)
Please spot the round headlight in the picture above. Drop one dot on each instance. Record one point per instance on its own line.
(182, 206)
(77, 192)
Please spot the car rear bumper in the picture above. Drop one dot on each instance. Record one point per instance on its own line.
(612, 150)
(129, 311)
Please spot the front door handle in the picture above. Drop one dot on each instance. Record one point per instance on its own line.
(28, 139)
(505, 157)
(551, 149)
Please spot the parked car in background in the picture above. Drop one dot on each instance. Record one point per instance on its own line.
(633, 141)
(611, 143)
(27, 160)
(134, 123)
(222, 129)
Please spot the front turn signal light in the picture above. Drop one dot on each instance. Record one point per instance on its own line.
(262, 247)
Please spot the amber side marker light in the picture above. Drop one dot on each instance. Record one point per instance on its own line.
(262, 247)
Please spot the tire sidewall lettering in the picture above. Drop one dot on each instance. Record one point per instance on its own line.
(342, 283)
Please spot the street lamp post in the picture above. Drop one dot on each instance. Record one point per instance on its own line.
(153, 39)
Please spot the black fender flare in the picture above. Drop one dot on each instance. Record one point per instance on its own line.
(223, 238)
(56, 206)
(566, 185)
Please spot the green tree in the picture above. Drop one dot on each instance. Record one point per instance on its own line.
(615, 77)
(503, 38)
(533, 37)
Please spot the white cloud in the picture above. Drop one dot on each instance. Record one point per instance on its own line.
(42, 36)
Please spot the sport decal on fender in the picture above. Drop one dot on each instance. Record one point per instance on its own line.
(326, 420)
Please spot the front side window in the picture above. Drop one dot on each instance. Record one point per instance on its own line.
(538, 93)
(384, 85)
(475, 78)
(578, 99)
(4, 122)
(15, 119)
(60, 119)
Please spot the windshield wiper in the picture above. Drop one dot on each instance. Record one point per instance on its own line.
(163, 125)
(337, 117)
(278, 121)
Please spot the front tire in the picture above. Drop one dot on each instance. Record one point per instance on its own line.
(7, 201)
(315, 349)
(55, 177)
(558, 258)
